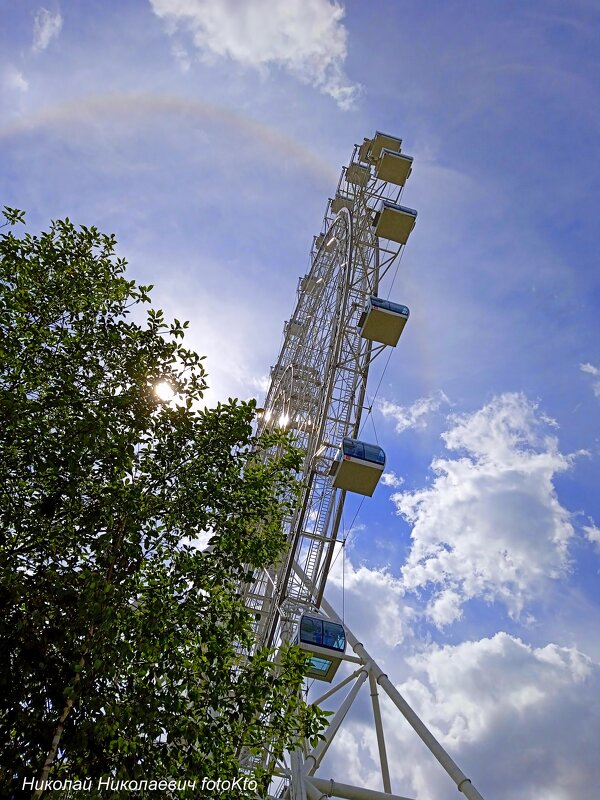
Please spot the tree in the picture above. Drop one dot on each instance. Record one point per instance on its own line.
(123, 646)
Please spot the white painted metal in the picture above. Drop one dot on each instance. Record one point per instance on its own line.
(319, 381)
(385, 770)
(298, 788)
(316, 755)
(463, 784)
(332, 788)
(317, 389)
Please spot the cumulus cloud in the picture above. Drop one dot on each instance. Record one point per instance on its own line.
(385, 621)
(521, 721)
(497, 702)
(490, 525)
(305, 37)
(590, 369)
(413, 416)
(46, 26)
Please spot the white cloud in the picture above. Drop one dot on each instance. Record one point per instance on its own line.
(415, 415)
(478, 680)
(46, 26)
(305, 37)
(446, 607)
(590, 369)
(385, 621)
(490, 525)
(181, 56)
(14, 79)
(391, 479)
(522, 720)
(260, 384)
(592, 534)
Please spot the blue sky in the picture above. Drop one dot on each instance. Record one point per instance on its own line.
(208, 135)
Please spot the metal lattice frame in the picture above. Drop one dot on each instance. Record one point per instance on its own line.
(317, 389)
(318, 384)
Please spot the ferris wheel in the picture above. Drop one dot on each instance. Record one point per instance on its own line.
(318, 390)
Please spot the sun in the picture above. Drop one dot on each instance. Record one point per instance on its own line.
(164, 391)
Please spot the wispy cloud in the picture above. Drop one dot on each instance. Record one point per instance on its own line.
(14, 79)
(46, 26)
(590, 369)
(490, 525)
(181, 56)
(305, 37)
(592, 534)
(415, 415)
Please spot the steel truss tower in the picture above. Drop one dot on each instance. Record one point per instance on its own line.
(318, 390)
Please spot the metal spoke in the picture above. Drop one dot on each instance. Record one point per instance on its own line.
(318, 390)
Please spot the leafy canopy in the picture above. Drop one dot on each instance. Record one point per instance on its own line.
(121, 643)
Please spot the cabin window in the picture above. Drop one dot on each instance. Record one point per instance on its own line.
(311, 630)
(333, 636)
(374, 453)
(320, 665)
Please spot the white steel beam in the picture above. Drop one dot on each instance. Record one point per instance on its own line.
(297, 787)
(316, 755)
(385, 770)
(331, 788)
(463, 784)
(336, 688)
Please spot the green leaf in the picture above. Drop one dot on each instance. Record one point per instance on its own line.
(105, 603)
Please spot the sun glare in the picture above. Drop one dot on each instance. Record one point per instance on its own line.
(164, 392)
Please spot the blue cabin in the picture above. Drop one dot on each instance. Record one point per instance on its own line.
(358, 467)
(383, 321)
(325, 641)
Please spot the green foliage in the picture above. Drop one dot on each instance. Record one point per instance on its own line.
(120, 641)
(12, 216)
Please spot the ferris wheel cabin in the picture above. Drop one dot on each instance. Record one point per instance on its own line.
(393, 167)
(383, 321)
(371, 149)
(394, 222)
(358, 467)
(325, 641)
